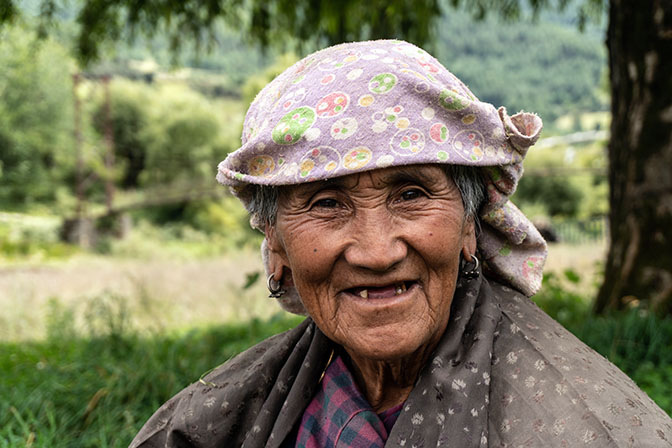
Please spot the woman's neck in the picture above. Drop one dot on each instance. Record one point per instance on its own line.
(385, 384)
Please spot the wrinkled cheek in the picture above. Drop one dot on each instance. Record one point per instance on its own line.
(312, 263)
(311, 276)
(444, 254)
(327, 316)
(314, 290)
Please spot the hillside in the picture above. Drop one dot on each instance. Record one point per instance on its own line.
(546, 66)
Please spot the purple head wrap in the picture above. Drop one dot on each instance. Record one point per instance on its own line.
(365, 105)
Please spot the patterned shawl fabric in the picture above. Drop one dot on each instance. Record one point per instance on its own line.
(503, 375)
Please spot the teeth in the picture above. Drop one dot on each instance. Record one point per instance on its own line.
(399, 289)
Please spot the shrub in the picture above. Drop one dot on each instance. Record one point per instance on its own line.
(560, 195)
(563, 305)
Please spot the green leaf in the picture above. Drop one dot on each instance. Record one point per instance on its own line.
(251, 278)
(572, 276)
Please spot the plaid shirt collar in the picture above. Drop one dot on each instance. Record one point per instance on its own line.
(340, 416)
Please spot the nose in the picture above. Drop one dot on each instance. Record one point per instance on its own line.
(376, 242)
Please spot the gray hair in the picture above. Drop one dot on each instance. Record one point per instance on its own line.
(469, 180)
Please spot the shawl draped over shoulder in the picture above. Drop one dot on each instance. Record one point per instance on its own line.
(504, 375)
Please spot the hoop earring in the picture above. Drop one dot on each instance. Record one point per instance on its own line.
(276, 290)
(471, 272)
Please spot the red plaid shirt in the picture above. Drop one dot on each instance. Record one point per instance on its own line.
(340, 416)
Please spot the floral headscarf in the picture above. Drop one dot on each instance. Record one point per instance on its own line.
(365, 105)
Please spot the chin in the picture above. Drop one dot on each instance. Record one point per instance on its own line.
(387, 345)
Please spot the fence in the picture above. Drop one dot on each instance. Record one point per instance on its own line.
(581, 231)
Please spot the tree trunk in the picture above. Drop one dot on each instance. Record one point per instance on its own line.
(639, 263)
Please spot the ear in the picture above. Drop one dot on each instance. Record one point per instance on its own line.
(469, 240)
(275, 258)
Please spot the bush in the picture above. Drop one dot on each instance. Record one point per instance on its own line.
(559, 194)
(35, 118)
(36, 241)
(129, 115)
(224, 216)
(563, 305)
(162, 134)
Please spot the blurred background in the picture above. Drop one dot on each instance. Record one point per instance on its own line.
(126, 272)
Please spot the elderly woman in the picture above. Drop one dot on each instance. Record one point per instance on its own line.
(381, 184)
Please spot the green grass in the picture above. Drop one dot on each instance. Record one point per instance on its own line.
(31, 238)
(97, 391)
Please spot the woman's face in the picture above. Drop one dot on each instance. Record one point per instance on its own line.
(375, 255)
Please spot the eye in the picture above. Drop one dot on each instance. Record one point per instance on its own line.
(326, 203)
(411, 194)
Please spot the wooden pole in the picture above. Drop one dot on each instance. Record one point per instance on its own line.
(109, 148)
(80, 233)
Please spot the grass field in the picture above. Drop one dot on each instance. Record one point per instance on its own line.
(159, 294)
(586, 260)
(89, 391)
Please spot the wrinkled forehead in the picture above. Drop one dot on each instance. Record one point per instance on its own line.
(427, 176)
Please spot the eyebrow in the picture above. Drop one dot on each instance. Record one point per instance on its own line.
(406, 174)
(409, 174)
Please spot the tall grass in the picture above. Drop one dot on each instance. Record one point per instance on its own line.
(162, 293)
(97, 389)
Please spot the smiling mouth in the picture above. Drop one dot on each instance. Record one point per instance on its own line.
(381, 292)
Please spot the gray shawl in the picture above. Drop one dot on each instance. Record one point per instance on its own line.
(503, 375)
